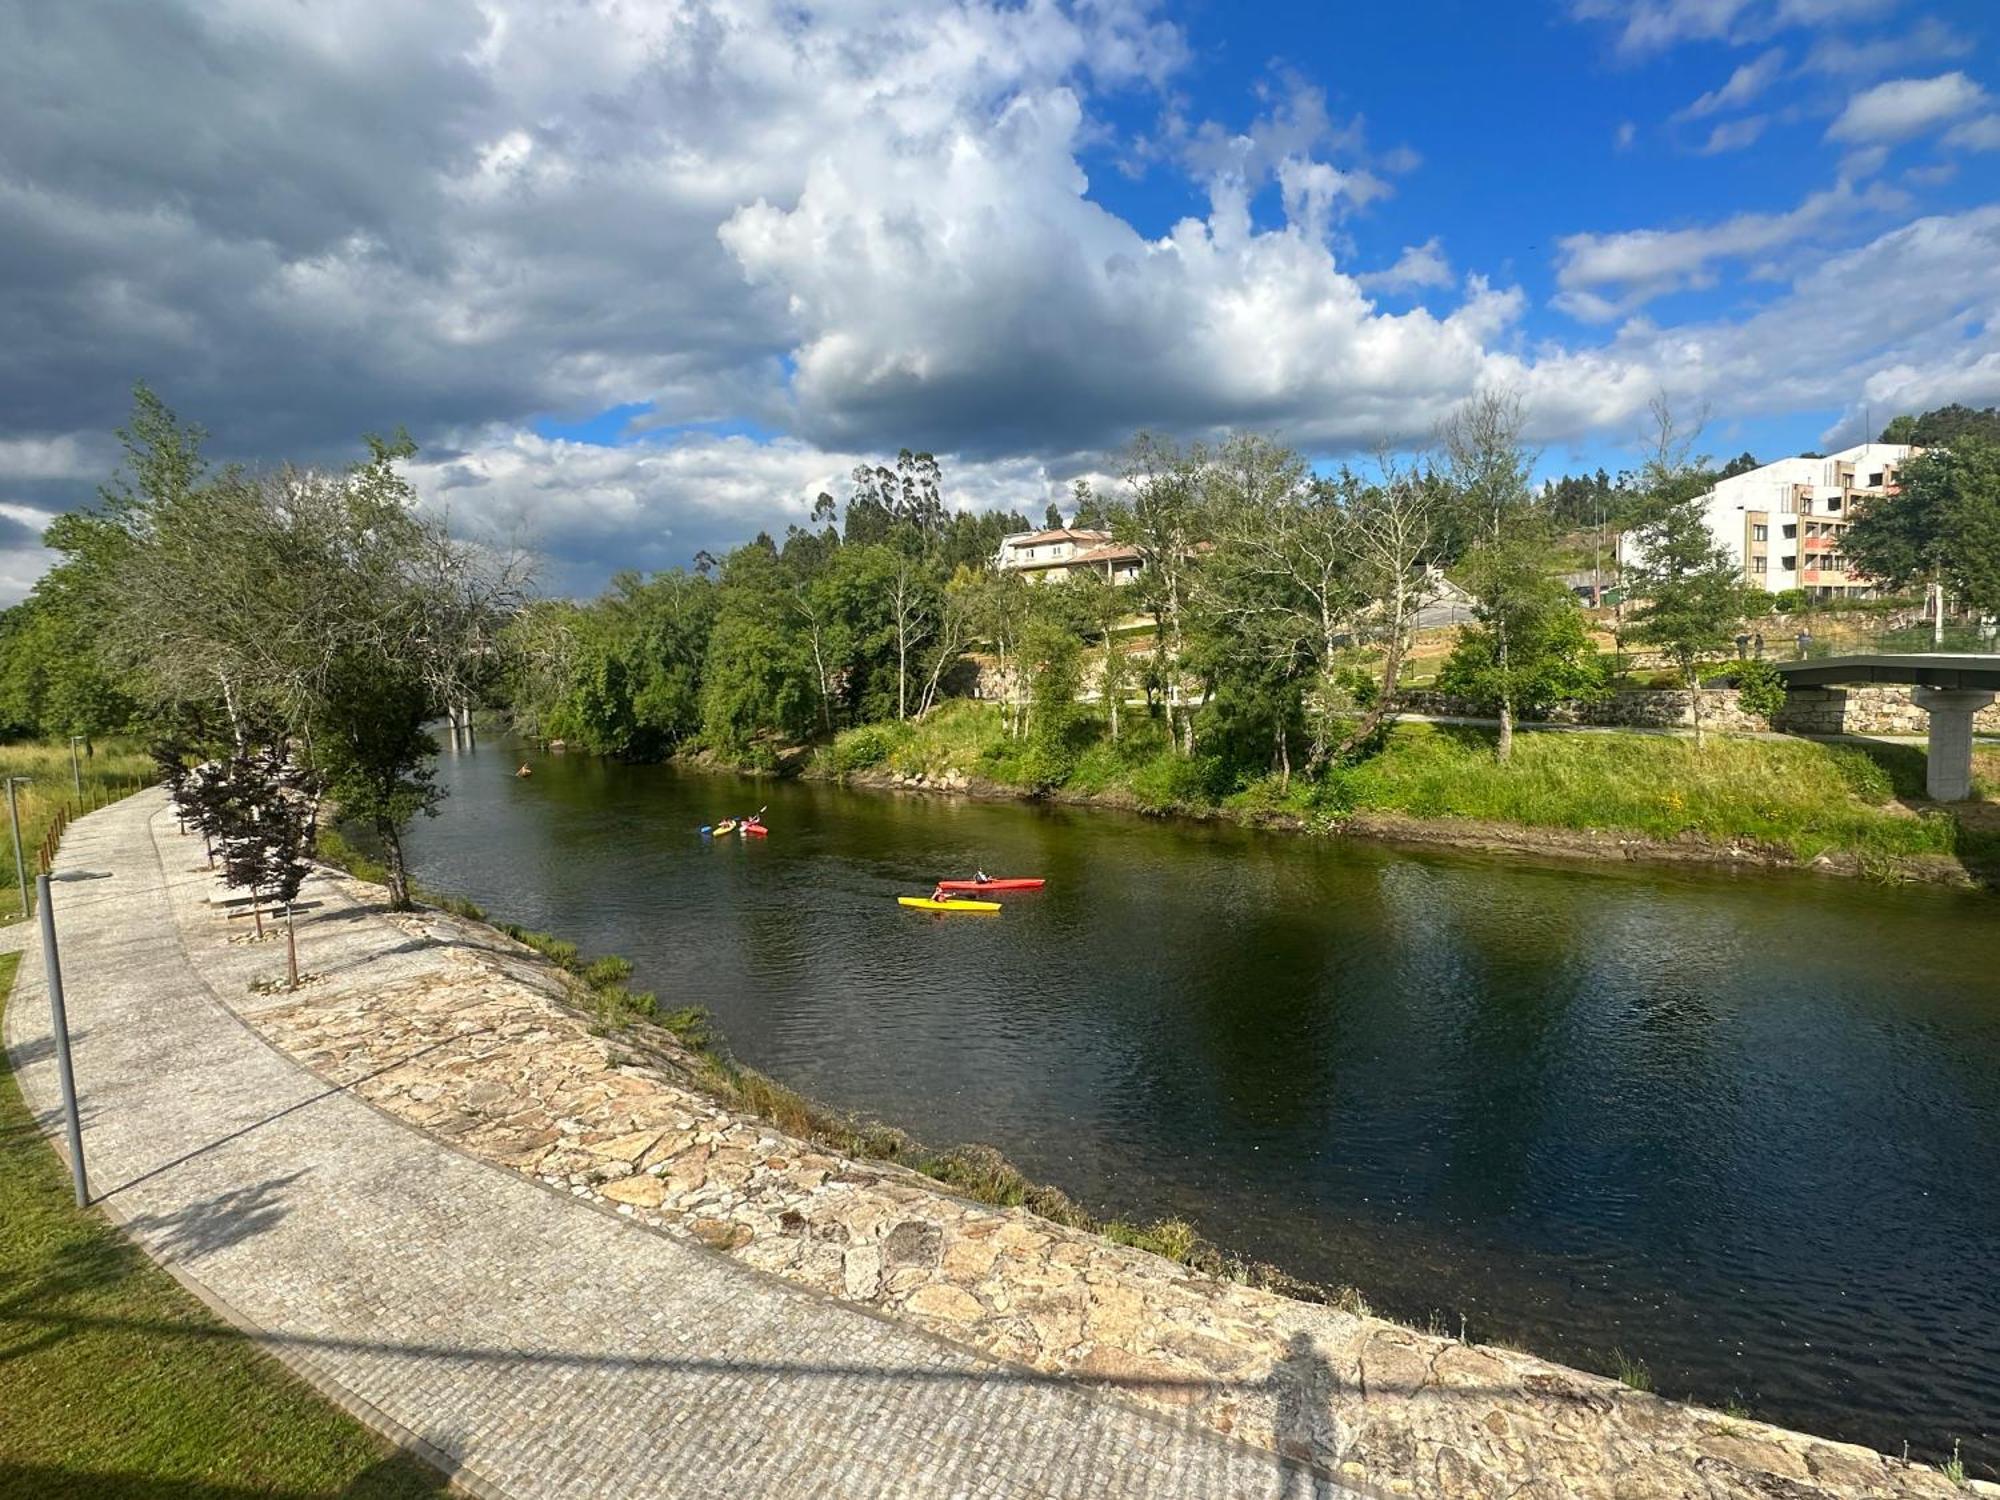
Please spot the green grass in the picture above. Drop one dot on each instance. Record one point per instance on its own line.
(117, 1382)
(117, 769)
(1803, 797)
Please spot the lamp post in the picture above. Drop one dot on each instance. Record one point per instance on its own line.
(59, 1032)
(20, 860)
(76, 771)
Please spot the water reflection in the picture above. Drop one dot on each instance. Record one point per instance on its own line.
(1747, 1129)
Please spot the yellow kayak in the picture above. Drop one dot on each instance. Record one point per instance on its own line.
(924, 903)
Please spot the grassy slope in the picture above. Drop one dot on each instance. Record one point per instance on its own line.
(1799, 795)
(114, 770)
(116, 1382)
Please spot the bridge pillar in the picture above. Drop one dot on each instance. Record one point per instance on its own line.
(1948, 775)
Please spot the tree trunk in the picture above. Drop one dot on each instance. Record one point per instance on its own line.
(256, 912)
(1505, 749)
(1694, 702)
(291, 950)
(399, 877)
(1112, 691)
(1937, 613)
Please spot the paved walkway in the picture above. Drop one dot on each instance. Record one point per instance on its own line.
(527, 1341)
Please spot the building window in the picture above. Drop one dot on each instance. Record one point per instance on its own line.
(1792, 530)
(1760, 564)
(1875, 480)
(1789, 564)
(1760, 533)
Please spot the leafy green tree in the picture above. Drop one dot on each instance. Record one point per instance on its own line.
(1165, 521)
(1507, 568)
(1553, 661)
(1691, 593)
(1945, 426)
(1760, 689)
(1941, 528)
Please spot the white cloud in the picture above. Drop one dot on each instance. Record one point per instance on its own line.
(1734, 135)
(1646, 26)
(1905, 107)
(1626, 134)
(1982, 134)
(1841, 56)
(1604, 275)
(57, 456)
(1743, 85)
(1418, 266)
(654, 505)
(1866, 162)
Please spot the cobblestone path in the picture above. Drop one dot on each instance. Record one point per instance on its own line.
(529, 1342)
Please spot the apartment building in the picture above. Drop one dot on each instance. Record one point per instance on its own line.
(1784, 523)
(1042, 556)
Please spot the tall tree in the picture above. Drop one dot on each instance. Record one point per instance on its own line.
(1506, 568)
(1939, 528)
(1163, 520)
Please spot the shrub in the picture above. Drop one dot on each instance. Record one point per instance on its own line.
(692, 1024)
(1170, 781)
(1790, 601)
(1760, 688)
(617, 1006)
(864, 748)
(601, 973)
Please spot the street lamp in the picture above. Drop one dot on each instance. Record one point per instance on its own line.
(20, 860)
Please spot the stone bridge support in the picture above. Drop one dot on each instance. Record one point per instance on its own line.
(1948, 773)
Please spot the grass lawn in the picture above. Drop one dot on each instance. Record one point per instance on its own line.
(116, 769)
(1804, 796)
(115, 1382)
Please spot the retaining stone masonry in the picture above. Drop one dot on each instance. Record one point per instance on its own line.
(479, 1046)
(1850, 710)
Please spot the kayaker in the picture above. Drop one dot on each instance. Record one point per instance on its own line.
(940, 894)
(982, 877)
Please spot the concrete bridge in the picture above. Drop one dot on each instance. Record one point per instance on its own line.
(1950, 686)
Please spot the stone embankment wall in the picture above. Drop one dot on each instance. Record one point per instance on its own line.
(482, 1047)
(1849, 710)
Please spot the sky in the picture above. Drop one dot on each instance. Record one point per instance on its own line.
(641, 277)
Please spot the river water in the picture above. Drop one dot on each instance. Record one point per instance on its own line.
(1745, 1129)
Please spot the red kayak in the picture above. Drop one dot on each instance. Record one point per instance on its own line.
(755, 831)
(991, 885)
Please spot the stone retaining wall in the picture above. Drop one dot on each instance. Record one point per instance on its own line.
(484, 1049)
(1841, 710)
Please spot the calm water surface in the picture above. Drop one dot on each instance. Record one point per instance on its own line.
(1744, 1129)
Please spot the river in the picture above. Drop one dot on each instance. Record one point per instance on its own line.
(1745, 1129)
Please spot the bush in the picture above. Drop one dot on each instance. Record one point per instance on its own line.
(1790, 601)
(865, 748)
(690, 1023)
(1170, 781)
(1760, 688)
(601, 973)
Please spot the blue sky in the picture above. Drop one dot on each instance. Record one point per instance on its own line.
(641, 278)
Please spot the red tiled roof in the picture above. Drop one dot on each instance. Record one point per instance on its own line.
(1060, 534)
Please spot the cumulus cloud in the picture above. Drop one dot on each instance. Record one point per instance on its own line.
(850, 223)
(1418, 266)
(655, 505)
(1905, 107)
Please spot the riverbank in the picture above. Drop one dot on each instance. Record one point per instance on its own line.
(1850, 809)
(493, 1047)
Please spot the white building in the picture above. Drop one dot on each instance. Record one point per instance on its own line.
(1783, 523)
(1042, 556)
